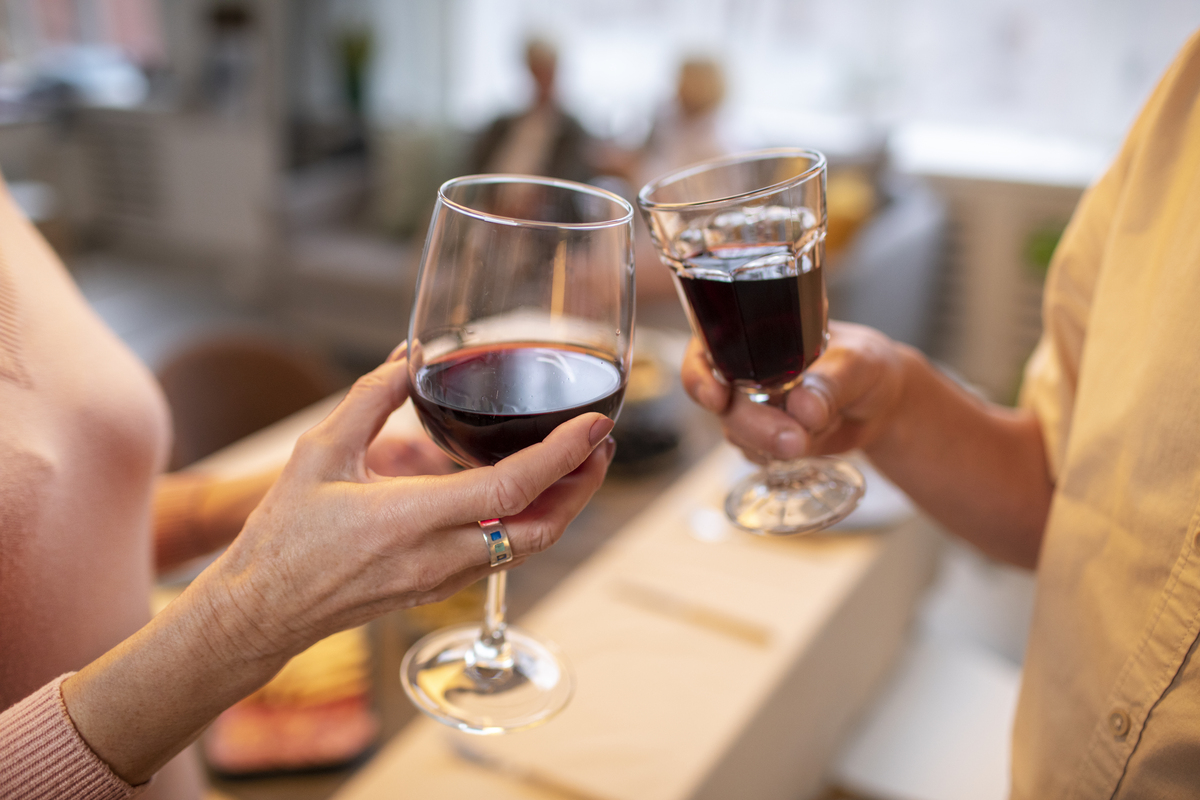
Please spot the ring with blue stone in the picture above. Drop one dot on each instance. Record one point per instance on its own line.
(499, 548)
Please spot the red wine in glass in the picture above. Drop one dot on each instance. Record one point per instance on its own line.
(762, 312)
(482, 404)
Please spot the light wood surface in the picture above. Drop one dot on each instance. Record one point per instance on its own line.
(704, 669)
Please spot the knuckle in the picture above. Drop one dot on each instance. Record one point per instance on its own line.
(509, 495)
(318, 445)
(541, 536)
(312, 444)
(423, 577)
(368, 383)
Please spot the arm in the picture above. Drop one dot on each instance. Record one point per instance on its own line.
(977, 468)
(195, 514)
(332, 545)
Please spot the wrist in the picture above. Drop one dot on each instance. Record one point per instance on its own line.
(238, 622)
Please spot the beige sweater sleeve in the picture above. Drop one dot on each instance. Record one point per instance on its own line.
(43, 757)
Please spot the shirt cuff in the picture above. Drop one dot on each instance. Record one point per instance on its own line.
(43, 757)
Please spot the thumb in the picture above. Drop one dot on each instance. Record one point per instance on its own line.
(352, 426)
(814, 403)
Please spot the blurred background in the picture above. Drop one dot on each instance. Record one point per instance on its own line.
(241, 189)
(273, 163)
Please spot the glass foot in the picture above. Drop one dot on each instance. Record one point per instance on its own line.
(796, 497)
(443, 678)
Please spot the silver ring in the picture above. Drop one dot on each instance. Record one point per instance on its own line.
(499, 548)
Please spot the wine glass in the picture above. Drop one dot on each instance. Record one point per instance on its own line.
(744, 237)
(523, 319)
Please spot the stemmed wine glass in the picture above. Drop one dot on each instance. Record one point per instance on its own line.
(523, 319)
(744, 237)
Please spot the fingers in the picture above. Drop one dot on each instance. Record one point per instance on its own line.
(400, 352)
(510, 486)
(700, 382)
(763, 430)
(760, 431)
(543, 521)
(844, 399)
(857, 378)
(460, 548)
(347, 432)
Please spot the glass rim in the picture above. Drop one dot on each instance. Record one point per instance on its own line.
(815, 156)
(509, 178)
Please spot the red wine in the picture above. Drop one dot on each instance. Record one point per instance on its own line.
(482, 404)
(761, 314)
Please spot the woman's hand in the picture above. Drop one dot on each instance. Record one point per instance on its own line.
(334, 543)
(848, 398)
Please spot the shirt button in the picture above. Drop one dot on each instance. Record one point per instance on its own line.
(1118, 722)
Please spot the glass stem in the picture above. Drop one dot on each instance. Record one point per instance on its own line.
(491, 650)
(780, 474)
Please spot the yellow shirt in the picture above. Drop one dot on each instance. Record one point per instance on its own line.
(1110, 705)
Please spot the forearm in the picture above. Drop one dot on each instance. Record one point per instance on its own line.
(195, 514)
(145, 700)
(978, 468)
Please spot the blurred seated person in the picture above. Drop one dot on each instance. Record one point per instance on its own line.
(542, 140)
(683, 133)
(686, 131)
(97, 699)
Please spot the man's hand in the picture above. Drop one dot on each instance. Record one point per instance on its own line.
(847, 399)
(978, 468)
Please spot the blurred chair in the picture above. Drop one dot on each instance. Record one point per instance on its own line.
(887, 277)
(942, 727)
(941, 730)
(225, 387)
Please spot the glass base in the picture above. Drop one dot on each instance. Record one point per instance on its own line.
(800, 496)
(440, 674)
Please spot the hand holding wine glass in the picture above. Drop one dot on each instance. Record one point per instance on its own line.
(522, 322)
(849, 397)
(744, 237)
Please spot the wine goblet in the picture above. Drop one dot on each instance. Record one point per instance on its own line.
(523, 319)
(744, 237)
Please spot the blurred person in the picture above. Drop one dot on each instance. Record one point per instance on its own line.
(542, 140)
(686, 131)
(1094, 481)
(97, 699)
(683, 133)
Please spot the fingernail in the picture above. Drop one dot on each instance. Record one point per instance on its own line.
(399, 353)
(814, 386)
(600, 429)
(788, 445)
(610, 447)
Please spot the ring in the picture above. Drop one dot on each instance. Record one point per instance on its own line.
(499, 548)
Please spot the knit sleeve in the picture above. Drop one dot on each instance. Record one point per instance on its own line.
(43, 757)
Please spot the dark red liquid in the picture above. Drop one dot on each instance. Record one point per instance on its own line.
(759, 330)
(483, 404)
